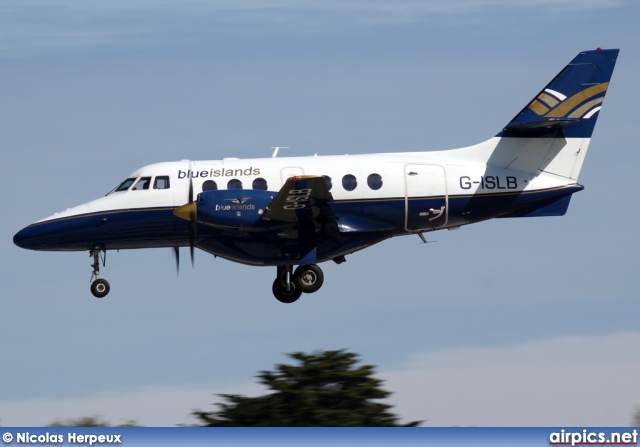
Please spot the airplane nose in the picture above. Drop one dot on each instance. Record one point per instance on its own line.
(62, 234)
(56, 235)
(50, 235)
(29, 237)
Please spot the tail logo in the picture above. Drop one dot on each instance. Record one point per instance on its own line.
(584, 104)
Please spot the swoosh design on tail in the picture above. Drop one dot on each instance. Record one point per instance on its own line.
(581, 104)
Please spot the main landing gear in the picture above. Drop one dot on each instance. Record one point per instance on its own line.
(100, 287)
(288, 286)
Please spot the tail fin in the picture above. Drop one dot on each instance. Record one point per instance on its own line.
(554, 130)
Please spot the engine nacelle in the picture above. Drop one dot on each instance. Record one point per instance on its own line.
(232, 208)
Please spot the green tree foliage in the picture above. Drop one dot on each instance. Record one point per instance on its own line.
(322, 389)
(89, 421)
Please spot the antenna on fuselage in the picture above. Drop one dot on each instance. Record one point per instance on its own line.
(276, 149)
(423, 239)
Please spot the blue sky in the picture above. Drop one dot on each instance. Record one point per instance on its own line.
(507, 322)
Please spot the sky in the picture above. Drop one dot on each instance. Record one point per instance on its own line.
(516, 322)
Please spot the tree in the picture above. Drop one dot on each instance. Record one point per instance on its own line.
(89, 421)
(323, 389)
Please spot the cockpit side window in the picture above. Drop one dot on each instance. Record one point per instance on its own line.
(161, 182)
(142, 184)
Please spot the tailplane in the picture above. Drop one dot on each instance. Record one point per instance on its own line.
(552, 133)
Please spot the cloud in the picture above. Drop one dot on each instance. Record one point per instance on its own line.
(34, 27)
(566, 381)
(152, 406)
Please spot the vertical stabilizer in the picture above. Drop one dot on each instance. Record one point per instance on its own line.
(552, 133)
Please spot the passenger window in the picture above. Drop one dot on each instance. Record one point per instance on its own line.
(259, 183)
(328, 181)
(209, 185)
(374, 181)
(234, 183)
(161, 182)
(143, 183)
(349, 182)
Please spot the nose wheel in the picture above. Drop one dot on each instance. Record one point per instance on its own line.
(99, 287)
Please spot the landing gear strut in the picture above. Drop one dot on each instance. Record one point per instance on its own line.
(288, 287)
(100, 287)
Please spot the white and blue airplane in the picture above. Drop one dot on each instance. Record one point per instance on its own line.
(301, 211)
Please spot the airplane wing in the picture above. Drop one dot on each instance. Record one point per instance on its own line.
(304, 201)
(300, 199)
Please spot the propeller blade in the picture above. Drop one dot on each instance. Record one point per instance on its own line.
(176, 256)
(193, 229)
(189, 211)
(190, 199)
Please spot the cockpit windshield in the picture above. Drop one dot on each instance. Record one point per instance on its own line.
(142, 184)
(123, 186)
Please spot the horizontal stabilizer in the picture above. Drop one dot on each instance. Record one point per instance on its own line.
(539, 128)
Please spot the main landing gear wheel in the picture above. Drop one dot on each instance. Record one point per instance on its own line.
(285, 293)
(308, 278)
(100, 288)
(288, 286)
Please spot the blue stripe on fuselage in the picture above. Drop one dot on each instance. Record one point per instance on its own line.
(159, 227)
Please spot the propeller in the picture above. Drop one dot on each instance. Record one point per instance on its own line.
(189, 213)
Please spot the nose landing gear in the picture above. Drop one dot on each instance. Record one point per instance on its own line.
(100, 287)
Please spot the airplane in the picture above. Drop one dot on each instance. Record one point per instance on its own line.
(301, 211)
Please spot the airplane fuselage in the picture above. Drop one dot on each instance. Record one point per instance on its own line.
(376, 196)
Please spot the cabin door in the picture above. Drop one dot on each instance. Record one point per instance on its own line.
(426, 198)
